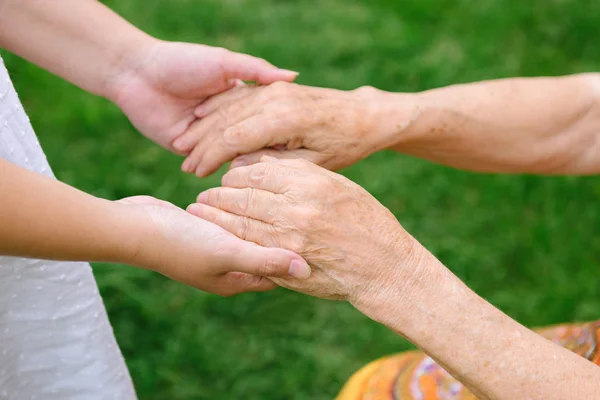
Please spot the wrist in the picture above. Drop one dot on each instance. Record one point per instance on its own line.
(126, 63)
(412, 298)
(391, 118)
(129, 234)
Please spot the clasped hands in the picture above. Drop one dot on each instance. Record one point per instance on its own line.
(276, 194)
(271, 216)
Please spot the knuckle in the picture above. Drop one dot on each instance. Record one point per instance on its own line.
(244, 230)
(306, 217)
(296, 244)
(258, 172)
(246, 202)
(366, 90)
(280, 89)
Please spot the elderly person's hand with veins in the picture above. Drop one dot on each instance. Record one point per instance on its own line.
(531, 125)
(359, 252)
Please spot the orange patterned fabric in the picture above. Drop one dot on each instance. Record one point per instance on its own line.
(415, 376)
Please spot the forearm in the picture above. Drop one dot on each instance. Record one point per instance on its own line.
(490, 353)
(82, 41)
(525, 125)
(44, 218)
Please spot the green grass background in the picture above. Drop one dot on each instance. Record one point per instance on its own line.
(529, 245)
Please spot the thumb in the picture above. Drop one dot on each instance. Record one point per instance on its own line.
(268, 262)
(249, 68)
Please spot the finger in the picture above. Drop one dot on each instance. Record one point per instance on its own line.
(265, 176)
(204, 144)
(247, 136)
(208, 136)
(249, 68)
(270, 262)
(253, 158)
(250, 257)
(247, 202)
(211, 104)
(197, 131)
(245, 228)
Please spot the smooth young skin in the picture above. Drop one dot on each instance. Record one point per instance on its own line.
(157, 84)
(360, 253)
(520, 125)
(44, 218)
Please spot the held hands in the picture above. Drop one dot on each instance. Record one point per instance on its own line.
(331, 128)
(160, 86)
(355, 246)
(201, 254)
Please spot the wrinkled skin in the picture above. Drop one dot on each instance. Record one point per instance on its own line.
(331, 128)
(355, 246)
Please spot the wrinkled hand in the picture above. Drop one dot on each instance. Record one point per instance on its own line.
(354, 245)
(201, 254)
(161, 86)
(331, 128)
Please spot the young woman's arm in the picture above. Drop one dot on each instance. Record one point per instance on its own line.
(82, 41)
(156, 83)
(43, 218)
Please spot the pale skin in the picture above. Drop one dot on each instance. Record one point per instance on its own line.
(359, 253)
(44, 218)
(158, 85)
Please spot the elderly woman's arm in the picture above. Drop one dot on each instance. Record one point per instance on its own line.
(359, 252)
(531, 125)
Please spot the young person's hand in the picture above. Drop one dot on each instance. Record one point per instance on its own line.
(161, 86)
(201, 254)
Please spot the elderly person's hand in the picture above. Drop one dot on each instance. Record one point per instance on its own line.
(360, 253)
(533, 125)
(355, 245)
(331, 128)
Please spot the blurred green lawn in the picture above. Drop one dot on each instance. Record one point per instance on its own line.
(529, 245)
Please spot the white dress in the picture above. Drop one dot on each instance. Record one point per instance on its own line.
(55, 338)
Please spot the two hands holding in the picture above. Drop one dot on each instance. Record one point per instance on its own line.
(281, 216)
(191, 100)
(253, 232)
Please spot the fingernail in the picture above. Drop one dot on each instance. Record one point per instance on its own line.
(186, 166)
(299, 269)
(179, 144)
(238, 163)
